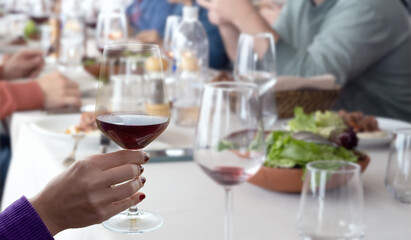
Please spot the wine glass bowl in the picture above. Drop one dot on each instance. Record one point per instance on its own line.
(40, 11)
(111, 28)
(332, 204)
(256, 62)
(132, 109)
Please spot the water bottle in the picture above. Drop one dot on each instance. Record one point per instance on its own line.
(190, 48)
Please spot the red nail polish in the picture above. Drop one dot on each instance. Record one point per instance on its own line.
(141, 169)
(146, 157)
(142, 196)
(143, 180)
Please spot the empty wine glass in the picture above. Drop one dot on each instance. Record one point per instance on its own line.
(255, 62)
(132, 109)
(229, 142)
(171, 26)
(111, 28)
(332, 204)
(398, 175)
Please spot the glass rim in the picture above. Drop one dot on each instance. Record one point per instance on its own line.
(355, 167)
(231, 85)
(141, 46)
(405, 131)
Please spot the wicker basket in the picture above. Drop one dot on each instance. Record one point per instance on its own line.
(310, 100)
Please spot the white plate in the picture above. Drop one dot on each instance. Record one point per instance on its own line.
(376, 141)
(55, 126)
(385, 124)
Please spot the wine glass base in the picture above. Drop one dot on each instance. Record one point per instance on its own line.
(141, 223)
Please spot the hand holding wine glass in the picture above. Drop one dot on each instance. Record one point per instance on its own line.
(229, 144)
(132, 109)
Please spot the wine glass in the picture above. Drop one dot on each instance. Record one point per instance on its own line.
(332, 204)
(171, 26)
(229, 142)
(255, 62)
(111, 28)
(40, 11)
(398, 174)
(132, 109)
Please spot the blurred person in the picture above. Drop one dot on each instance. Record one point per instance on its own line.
(366, 44)
(269, 10)
(78, 197)
(52, 90)
(49, 91)
(149, 18)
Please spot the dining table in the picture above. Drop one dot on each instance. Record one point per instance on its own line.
(191, 203)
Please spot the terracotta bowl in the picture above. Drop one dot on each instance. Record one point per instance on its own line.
(93, 70)
(288, 180)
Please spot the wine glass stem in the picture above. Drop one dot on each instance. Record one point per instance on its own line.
(228, 214)
(133, 211)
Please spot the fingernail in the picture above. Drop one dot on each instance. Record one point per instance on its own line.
(143, 179)
(146, 157)
(141, 169)
(142, 196)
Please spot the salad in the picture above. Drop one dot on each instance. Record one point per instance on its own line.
(312, 137)
(328, 124)
(284, 151)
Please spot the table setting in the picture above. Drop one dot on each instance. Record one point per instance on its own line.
(229, 159)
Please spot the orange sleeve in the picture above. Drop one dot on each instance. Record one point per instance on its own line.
(19, 97)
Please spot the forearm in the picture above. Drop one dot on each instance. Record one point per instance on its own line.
(19, 96)
(229, 33)
(253, 23)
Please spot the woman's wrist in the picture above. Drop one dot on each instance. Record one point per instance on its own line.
(41, 209)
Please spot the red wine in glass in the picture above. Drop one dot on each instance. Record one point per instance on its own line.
(132, 131)
(40, 19)
(91, 24)
(227, 175)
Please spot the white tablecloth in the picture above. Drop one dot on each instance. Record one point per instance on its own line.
(191, 203)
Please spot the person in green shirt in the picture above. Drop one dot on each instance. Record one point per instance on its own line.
(365, 44)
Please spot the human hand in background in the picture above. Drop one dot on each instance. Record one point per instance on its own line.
(23, 64)
(59, 91)
(88, 192)
(270, 11)
(149, 36)
(227, 11)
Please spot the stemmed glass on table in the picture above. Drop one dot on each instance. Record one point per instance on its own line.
(40, 11)
(111, 28)
(332, 202)
(255, 62)
(132, 109)
(229, 142)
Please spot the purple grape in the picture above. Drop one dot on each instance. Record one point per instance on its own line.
(347, 139)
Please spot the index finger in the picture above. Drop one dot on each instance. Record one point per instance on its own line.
(31, 53)
(115, 159)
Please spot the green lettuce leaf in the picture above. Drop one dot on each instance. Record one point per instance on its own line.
(322, 123)
(285, 152)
